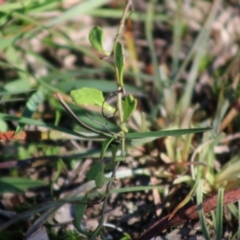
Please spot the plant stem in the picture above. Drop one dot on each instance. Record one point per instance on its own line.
(121, 118)
(119, 98)
(122, 21)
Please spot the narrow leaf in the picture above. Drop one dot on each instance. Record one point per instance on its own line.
(18, 185)
(111, 164)
(119, 63)
(166, 133)
(200, 210)
(30, 121)
(139, 138)
(105, 146)
(79, 212)
(219, 215)
(44, 135)
(129, 106)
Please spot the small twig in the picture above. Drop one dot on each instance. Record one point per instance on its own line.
(128, 6)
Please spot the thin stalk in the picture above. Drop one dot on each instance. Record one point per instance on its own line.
(107, 192)
(121, 120)
(119, 98)
(122, 21)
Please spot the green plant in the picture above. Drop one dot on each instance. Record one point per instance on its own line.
(115, 141)
(118, 128)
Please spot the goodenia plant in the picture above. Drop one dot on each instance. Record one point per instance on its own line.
(116, 142)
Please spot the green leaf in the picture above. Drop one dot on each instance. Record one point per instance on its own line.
(94, 170)
(79, 212)
(18, 185)
(100, 179)
(90, 97)
(96, 173)
(126, 236)
(21, 85)
(138, 138)
(129, 106)
(201, 215)
(30, 121)
(111, 164)
(119, 62)
(3, 126)
(219, 214)
(96, 38)
(32, 104)
(105, 146)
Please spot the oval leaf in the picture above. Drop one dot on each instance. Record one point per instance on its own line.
(100, 179)
(94, 170)
(96, 173)
(90, 97)
(95, 38)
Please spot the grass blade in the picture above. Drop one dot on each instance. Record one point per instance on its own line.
(30, 121)
(200, 210)
(219, 215)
